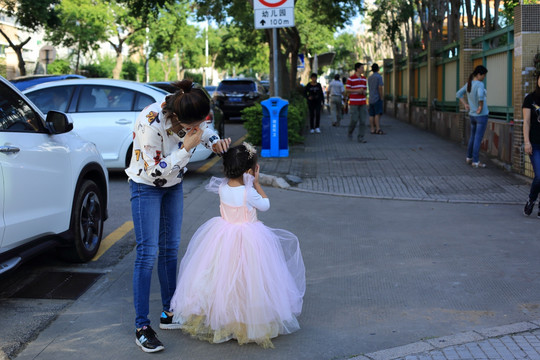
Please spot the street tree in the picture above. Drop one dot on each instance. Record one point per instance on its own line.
(176, 43)
(30, 15)
(327, 13)
(121, 30)
(83, 25)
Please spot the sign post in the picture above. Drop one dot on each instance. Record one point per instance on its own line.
(274, 14)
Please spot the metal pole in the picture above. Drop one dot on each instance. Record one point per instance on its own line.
(275, 57)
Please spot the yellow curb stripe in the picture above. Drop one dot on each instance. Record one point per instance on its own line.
(215, 159)
(113, 238)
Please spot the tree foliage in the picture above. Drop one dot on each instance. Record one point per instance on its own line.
(31, 15)
(83, 24)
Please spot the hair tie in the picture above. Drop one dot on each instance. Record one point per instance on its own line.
(250, 149)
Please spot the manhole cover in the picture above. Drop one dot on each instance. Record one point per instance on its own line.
(57, 285)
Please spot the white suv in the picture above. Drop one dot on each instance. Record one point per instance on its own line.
(53, 184)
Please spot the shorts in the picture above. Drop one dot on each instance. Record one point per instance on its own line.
(376, 108)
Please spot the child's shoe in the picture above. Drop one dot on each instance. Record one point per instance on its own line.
(166, 322)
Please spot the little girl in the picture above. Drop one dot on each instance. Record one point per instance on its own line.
(240, 279)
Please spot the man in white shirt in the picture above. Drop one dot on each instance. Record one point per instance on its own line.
(335, 91)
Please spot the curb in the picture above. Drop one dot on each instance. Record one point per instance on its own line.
(449, 341)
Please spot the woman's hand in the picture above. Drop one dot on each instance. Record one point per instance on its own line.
(528, 148)
(221, 146)
(192, 138)
(467, 107)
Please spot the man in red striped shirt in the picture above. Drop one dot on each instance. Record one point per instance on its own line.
(356, 89)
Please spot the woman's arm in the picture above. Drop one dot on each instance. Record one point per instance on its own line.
(480, 106)
(526, 130)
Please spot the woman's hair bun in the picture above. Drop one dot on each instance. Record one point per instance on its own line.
(184, 85)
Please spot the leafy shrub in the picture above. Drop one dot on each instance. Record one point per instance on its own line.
(102, 69)
(252, 117)
(59, 67)
(129, 70)
(296, 118)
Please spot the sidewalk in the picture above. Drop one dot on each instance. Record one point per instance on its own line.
(405, 164)
(418, 257)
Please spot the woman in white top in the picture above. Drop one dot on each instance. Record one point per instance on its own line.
(165, 135)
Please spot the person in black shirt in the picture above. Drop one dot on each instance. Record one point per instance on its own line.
(315, 97)
(531, 142)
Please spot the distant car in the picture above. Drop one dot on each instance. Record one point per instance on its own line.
(25, 82)
(216, 115)
(266, 85)
(234, 95)
(103, 111)
(54, 184)
(211, 89)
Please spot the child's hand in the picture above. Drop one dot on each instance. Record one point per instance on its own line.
(256, 174)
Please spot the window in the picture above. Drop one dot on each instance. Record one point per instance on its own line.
(56, 98)
(105, 98)
(16, 114)
(143, 101)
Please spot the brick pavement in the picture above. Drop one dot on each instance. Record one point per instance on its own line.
(518, 341)
(405, 164)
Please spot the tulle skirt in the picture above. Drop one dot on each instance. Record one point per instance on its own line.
(240, 281)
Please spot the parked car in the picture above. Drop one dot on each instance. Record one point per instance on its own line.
(103, 111)
(211, 89)
(54, 184)
(266, 85)
(216, 115)
(24, 82)
(234, 95)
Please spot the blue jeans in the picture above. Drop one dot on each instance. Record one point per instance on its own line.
(157, 220)
(478, 128)
(535, 161)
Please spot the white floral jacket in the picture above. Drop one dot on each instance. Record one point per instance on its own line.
(159, 158)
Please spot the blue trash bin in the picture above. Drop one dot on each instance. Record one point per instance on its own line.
(275, 141)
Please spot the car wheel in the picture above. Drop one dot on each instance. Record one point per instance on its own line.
(87, 224)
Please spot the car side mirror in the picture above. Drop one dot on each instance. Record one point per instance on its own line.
(58, 122)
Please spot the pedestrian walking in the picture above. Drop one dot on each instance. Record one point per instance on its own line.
(165, 136)
(314, 94)
(375, 108)
(478, 113)
(357, 89)
(336, 91)
(240, 279)
(345, 97)
(531, 142)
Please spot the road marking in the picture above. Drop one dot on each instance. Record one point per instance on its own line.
(113, 238)
(215, 159)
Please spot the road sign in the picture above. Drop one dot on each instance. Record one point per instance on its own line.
(47, 54)
(273, 13)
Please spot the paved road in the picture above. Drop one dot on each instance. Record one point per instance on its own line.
(388, 276)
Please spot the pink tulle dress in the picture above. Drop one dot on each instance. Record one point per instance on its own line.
(239, 279)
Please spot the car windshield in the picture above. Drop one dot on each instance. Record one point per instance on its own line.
(238, 86)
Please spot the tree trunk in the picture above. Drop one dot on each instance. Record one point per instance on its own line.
(488, 26)
(18, 50)
(468, 9)
(117, 71)
(496, 16)
(453, 31)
